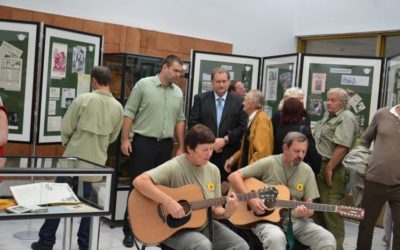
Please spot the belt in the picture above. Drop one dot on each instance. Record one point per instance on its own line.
(154, 138)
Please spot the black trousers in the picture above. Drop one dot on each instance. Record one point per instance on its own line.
(375, 196)
(147, 153)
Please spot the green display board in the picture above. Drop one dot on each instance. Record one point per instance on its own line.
(243, 68)
(279, 74)
(18, 43)
(68, 59)
(393, 81)
(360, 77)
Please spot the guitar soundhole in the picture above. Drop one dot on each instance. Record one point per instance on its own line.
(174, 222)
(270, 198)
(266, 213)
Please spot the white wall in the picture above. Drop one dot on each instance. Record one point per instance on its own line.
(259, 28)
(346, 16)
(254, 27)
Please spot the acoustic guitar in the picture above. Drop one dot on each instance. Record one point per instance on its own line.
(275, 198)
(151, 223)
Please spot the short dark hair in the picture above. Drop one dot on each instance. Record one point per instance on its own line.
(198, 134)
(232, 85)
(102, 75)
(294, 136)
(219, 70)
(170, 59)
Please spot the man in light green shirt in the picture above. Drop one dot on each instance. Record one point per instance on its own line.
(334, 136)
(92, 122)
(153, 112)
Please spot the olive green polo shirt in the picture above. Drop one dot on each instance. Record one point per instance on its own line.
(91, 123)
(299, 179)
(339, 129)
(179, 171)
(154, 109)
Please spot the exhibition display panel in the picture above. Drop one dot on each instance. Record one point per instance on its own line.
(18, 60)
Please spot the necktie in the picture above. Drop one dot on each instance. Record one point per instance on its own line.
(220, 107)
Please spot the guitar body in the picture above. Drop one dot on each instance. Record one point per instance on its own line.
(152, 224)
(244, 217)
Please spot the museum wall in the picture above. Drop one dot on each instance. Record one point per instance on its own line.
(117, 38)
(254, 28)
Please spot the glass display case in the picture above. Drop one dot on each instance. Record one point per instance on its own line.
(55, 187)
(126, 70)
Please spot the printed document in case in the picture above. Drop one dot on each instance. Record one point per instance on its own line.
(44, 193)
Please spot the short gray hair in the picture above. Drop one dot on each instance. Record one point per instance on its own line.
(344, 97)
(220, 70)
(256, 97)
(294, 92)
(294, 136)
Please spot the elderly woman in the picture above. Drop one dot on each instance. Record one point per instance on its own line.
(258, 138)
(293, 92)
(334, 136)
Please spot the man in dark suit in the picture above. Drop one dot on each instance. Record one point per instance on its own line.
(223, 114)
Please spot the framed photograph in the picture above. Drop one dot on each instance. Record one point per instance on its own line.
(18, 56)
(279, 74)
(243, 68)
(68, 59)
(359, 76)
(392, 88)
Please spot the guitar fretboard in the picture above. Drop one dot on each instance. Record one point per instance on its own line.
(314, 206)
(195, 205)
(201, 204)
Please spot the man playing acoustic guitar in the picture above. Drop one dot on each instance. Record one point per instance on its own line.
(290, 170)
(192, 167)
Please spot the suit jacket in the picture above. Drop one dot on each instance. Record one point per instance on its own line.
(233, 123)
(261, 139)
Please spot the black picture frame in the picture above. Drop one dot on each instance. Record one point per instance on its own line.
(19, 51)
(68, 58)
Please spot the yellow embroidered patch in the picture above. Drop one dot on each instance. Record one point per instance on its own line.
(299, 187)
(211, 186)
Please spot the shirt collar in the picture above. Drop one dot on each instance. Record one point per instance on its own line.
(251, 117)
(159, 83)
(393, 111)
(102, 93)
(223, 97)
(338, 113)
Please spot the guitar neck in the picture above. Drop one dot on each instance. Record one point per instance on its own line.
(195, 205)
(314, 206)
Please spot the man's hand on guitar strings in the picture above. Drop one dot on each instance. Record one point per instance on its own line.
(175, 209)
(301, 211)
(257, 206)
(231, 205)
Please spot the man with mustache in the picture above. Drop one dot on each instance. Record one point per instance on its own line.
(290, 170)
(334, 135)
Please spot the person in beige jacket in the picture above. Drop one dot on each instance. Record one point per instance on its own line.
(258, 138)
